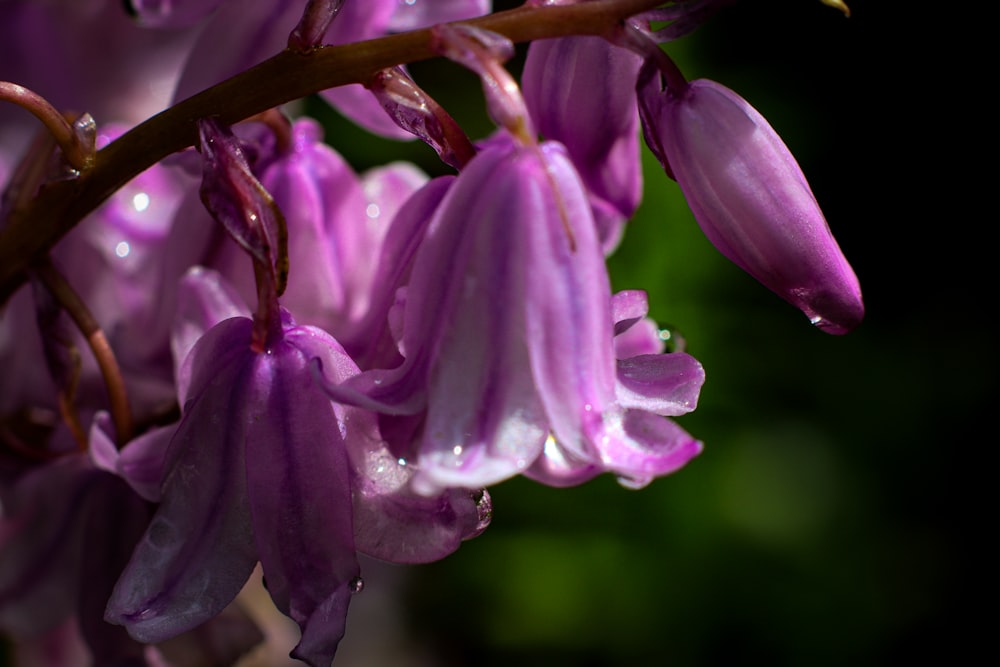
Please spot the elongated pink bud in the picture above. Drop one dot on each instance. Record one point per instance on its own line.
(752, 200)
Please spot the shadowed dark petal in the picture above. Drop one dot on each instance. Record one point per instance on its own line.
(665, 384)
(40, 543)
(300, 497)
(114, 520)
(198, 550)
(140, 463)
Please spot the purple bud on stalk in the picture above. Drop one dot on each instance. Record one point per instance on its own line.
(751, 199)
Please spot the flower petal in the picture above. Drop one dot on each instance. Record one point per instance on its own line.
(300, 497)
(664, 384)
(198, 551)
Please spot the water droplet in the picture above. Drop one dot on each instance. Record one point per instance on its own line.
(484, 511)
(457, 450)
(122, 249)
(673, 341)
(372, 211)
(356, 585)
(140, 201)
(827, 326)
(377, 381)
(588, 407)
(401, 461)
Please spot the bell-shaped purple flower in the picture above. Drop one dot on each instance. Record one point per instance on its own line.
(256, 470)
(264, 466)
(751, 199)
(507, 335)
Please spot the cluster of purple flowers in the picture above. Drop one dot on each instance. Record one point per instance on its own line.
(295, 363)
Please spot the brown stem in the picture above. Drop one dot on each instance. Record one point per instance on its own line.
(91, 330)
(76, 153)
(33, 230)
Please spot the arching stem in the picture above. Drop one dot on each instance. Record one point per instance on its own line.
(71, 302)
(33, 230)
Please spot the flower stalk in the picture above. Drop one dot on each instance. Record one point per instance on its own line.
(78, 153)
(71, 302)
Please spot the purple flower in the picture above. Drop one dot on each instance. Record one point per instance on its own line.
(508, 339)
(581, 92)
(256, 470)
(751, 198)
(264, 466)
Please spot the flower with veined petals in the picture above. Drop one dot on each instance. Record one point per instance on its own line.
(264, 466)
(508, 339)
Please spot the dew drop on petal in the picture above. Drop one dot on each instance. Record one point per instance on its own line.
(484, 509)
(122, 249)
(372, 211)
(140, 201)
(673, 341)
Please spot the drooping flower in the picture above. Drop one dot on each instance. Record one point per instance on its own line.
(751, 199)
(507, 335)
(257, 470)
(264, 466)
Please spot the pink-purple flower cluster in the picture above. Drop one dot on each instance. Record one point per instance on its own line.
(250, 353)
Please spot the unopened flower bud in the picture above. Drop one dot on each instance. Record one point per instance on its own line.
(752, 200)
